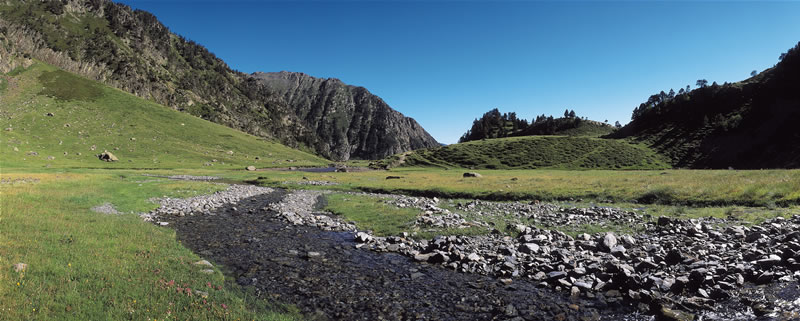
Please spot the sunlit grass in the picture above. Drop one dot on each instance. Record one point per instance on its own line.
(60, 120)
(692, 188)
(84, 265)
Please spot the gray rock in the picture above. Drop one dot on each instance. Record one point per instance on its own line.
(770, 261)
(472, 174)
(19, 267)
(609, 241)
(422, 257)
(668, 314)
(618, 250)
(362, 237)
(203, 263)
(107, 156)
(529, 248)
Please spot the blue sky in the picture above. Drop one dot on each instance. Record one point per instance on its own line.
(446, 63)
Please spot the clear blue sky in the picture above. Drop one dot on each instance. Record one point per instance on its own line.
(446, 63)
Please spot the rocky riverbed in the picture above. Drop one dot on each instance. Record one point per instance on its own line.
(711, 269)
(330, 276)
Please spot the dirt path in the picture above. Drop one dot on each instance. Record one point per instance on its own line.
(324, 274)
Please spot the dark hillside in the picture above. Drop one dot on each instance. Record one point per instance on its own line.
(131, 50)
(749, 124)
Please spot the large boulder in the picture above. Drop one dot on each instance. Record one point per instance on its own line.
(472, 174)
(107, 156)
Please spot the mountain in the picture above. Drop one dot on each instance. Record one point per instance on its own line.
(352, 121)
(131, 50)
(57, 119)
(493, 124)
(749, 124)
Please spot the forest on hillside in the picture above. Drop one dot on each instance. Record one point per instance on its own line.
(494, 124)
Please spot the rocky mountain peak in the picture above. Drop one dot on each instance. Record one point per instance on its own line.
(356, 123)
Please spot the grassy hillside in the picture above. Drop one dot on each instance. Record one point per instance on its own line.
(531, 152)
(51, 118)
(748, 124)
(587, 128)
(131, 50)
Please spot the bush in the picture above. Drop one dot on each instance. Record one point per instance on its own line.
(661, 195)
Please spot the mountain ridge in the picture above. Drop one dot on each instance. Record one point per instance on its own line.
(133, 51)
(749, 124)
(326, 104)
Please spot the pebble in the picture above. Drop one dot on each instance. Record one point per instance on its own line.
(203, 263)
(19, 267)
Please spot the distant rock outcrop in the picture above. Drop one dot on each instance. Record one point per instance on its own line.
(347, 121)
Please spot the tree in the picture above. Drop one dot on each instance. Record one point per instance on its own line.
(688, 89)
(571, 114)
(702, 83)
(566, 113)
(753, 73)
(671, 93)
(680, 92)
(652, 101)
(783, 55)
(617, 124)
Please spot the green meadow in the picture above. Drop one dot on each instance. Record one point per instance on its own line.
(55, 119)
(692, 188)
(84, 265)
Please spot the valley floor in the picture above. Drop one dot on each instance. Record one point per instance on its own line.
(84, 264)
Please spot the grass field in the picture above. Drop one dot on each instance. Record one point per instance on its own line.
(84, 265)
(705, 194)
(59, 120)
(538, 152)
(694, 188)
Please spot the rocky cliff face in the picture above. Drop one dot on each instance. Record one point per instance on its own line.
(132, 50)
(345, 121)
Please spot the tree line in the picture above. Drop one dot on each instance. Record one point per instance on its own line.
(663, 99)
(494, 124)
